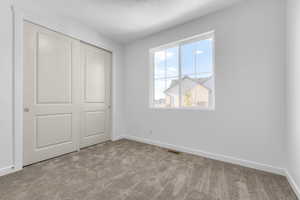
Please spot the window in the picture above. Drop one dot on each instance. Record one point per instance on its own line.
(183, 74)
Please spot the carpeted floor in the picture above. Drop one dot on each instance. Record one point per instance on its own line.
(127, 170)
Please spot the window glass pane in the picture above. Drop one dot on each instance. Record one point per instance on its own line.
(203, 60)
(172, 92)
(166, 92)
(196, 59)
(188, 59)
(197, 74)
(166, 74)
(159, 64)
(172, 62)
(159, 95)
(195, 93)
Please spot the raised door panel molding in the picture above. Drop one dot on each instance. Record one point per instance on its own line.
(53, 69)
(95, 123)
(94, 70)
(52, 130)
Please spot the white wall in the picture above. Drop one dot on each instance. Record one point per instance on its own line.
(6, 151)
(249, 118)
(293, 92)
(62, 25)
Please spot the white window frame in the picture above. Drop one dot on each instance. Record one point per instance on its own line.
(179, 43)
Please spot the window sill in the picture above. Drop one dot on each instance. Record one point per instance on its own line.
(184, 108)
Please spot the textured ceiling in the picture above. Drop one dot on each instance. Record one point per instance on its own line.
(127, 20)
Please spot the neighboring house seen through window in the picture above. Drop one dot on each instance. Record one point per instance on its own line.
(183, 74)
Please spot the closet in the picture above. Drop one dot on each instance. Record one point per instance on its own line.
(66, 94)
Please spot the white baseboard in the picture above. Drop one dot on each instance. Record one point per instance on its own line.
(293, 183)
(228, 159)
(7, 170)
(116, 138)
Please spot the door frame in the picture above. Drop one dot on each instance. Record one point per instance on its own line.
(18, 20)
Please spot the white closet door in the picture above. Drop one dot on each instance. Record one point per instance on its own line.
(95, 98)
(51, 94)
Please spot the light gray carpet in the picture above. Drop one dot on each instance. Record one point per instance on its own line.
(127, 170)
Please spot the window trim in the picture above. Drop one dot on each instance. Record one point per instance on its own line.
(179, 43)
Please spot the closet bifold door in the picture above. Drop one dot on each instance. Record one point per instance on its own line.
(95, 95)
(51, 93)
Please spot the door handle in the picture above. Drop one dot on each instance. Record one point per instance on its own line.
(26, 109)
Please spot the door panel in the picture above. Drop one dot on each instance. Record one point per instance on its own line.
(51, 99)
(95, 107)
(54, 129)
(95, 123)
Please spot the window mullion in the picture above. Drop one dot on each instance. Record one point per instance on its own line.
(179, 78)
(165, 63)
